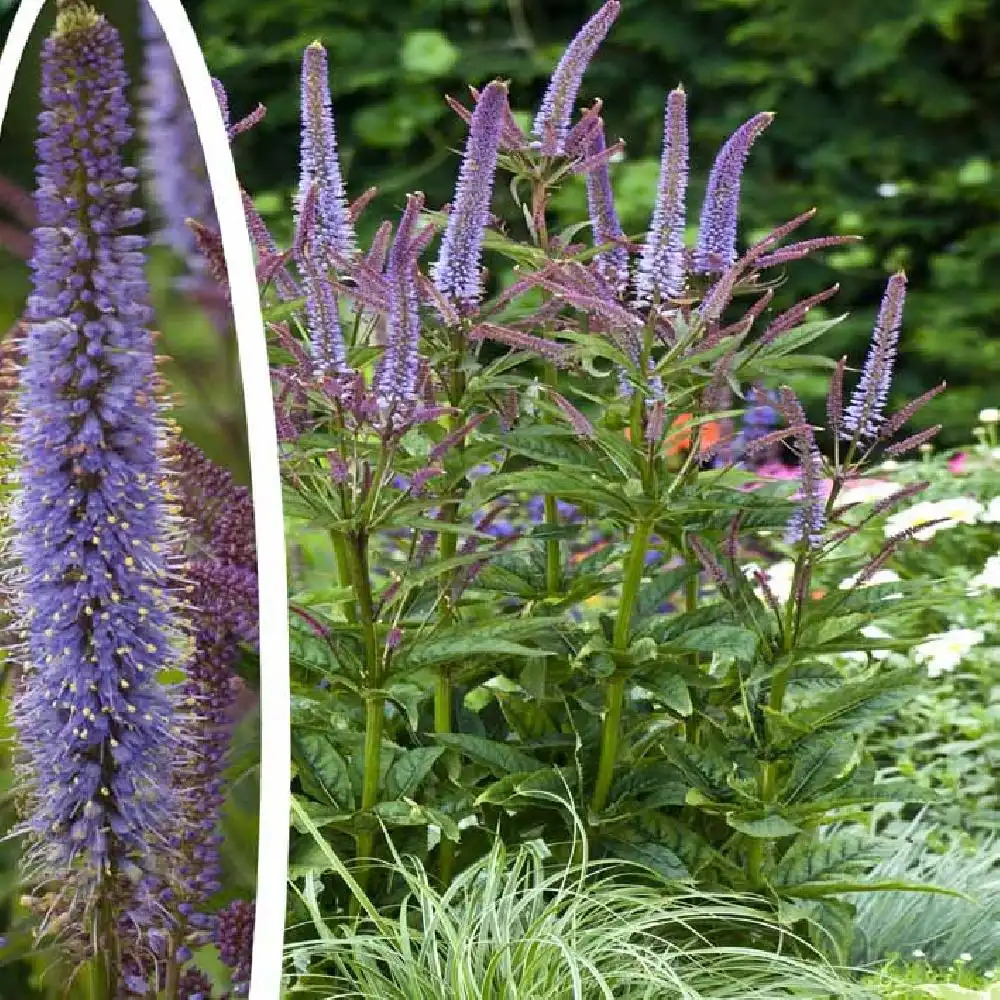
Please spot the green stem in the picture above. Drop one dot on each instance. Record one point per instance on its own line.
(691, 604)
(374, 700)
(769, 775)
(343, 557)
(615, 695)
(449, 546)
(443, 724)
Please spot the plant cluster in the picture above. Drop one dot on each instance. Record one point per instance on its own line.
(537, 509)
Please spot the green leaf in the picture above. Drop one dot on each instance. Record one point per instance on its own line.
(817, 765)
(800, 336)
(832, 857)
(659, 588)
(668, 687)
(322, 770)
(723, 640)
(559, 447)
(500, 758)
(693, 850)
(651, 855)
(408, 770)
(522, 785)
(851, 707)
(818, 890)
(405, 813)
(648, 786)
(702, 768)
(575, 488)
(767, 827)
(459, 644)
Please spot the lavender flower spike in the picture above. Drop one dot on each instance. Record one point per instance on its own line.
(173, 158)
(865, 413)
(456, 272)
(552, 121)
(320, 163)
(611, 264)
(661, 264)
(715, 250)
(92, 531)
(395, 382)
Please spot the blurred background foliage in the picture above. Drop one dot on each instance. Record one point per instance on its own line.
(887, 123)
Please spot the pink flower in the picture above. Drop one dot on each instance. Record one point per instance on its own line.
(958, 464)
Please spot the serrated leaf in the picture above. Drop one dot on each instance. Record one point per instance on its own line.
(693, 850)
(767, 827)
(821, 633)
(835, 856)
(323, 771)
(795, 339)
(655, 591)
(701, 768)
(817, 764)
(575, 488)
(851, 707)
(559, 447)
(651, 855)
(408, 770)
(651, 785)
(521, 784)
(461, 643)
(668, 687)
(501, 758)
(721, 640)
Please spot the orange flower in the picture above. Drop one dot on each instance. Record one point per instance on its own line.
(679, 440)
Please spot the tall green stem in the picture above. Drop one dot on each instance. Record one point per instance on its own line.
(449, 545)
(343, 557)
(374, 699)
(691, 604)
(615, 695)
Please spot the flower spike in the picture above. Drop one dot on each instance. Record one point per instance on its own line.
(661, 265)
(457, 272)
(611, 264)
(552, 121)
(865, 412)
(94, 542)
(716, 247)
(320, 163)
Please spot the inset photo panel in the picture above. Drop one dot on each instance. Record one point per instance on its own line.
(143, 627)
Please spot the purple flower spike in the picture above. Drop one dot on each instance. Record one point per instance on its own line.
(552, 121)
(715, 250)
(611, 264)
(320, 163)
(173, 158)
(457, 272)
(809, 519)
(661, 265)
(395, 381)
(865, 413)
(93, 539)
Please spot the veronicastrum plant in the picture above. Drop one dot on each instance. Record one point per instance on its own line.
(535, 507)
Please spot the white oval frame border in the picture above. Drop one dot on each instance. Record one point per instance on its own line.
(275, 690)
